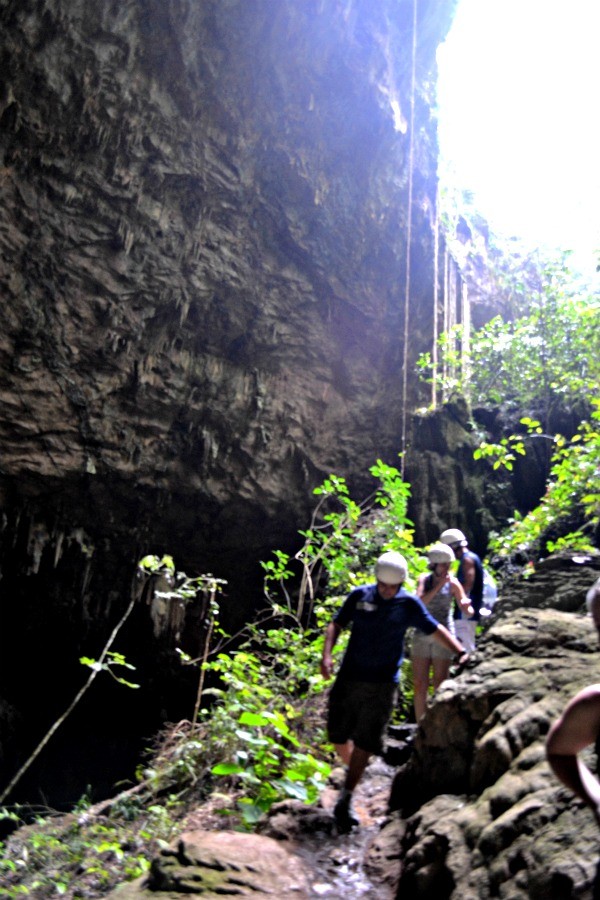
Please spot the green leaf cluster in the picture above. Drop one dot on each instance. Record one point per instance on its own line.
(77, 855)
(264, 726)
(263, 733)
(111, 660)
(543, 349)
(504, 453)
(573, 491)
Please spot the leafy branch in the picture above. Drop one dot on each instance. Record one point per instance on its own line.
(573, 488)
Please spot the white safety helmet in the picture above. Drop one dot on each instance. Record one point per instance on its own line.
(440, 553)
(391, 568)
(453, 536)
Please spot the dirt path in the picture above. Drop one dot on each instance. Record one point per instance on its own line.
(342, 866)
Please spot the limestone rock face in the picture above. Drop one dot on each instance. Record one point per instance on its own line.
(449, 487)
(202, 248)
(486, 816)
(203, 258)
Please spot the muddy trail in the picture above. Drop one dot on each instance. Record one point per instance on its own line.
(354, 866)
(360, 865)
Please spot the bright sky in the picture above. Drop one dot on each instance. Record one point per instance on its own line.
(519, 108)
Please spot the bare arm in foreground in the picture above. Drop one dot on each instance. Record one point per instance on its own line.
(575, 729)
(447, 640)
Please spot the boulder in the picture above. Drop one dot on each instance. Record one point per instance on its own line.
(220, 864)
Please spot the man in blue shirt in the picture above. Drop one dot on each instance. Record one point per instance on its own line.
(362, 697)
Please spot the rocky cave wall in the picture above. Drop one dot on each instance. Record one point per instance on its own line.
(202, 265)
(483, 814)
(203, 243)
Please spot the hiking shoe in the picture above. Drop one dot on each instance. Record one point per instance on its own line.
(344, 816)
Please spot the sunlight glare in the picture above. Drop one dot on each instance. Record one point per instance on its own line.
(518, 117)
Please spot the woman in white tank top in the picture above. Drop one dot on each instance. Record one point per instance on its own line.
(437, 589)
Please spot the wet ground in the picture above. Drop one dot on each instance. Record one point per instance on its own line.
(339, 863)
(350, 866)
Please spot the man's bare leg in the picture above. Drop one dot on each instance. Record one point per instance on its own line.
(344, 816)
(356, 766)
(344, 751)
(355, 759)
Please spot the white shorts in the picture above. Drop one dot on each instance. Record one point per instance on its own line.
(465, 633)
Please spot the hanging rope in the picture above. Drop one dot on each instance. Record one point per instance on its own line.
(452, 318)
(465, 355)
(436, 275)
(446, 319)
(409, 233)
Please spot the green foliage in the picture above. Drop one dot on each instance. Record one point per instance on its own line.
(259, 729)
(542, 352)
(110, 660)
(252, 728)
(271, 764)
(504, 453)
(343, 541)
(575, 540)
(153, 564)
(392, 494)
(77, 855)
(262, 733)
(406, 692)
(543, 349)
(449, 376)
(573, 489)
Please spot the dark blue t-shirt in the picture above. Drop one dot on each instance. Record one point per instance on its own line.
(376, 644)
(476, 595)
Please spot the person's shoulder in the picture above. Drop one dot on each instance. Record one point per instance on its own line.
(354, 600)
(360, 592)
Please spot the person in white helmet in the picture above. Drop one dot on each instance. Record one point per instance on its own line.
(363, 694)
(438, 590)
(577, 728)
(470, 575)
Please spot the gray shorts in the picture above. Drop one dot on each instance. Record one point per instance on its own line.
(426, 647)
(359, 711)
